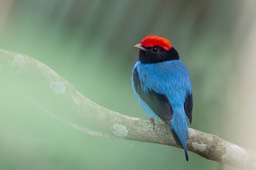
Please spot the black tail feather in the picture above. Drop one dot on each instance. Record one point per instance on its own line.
(186, 154)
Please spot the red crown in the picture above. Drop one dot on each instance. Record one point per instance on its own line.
(154, 40)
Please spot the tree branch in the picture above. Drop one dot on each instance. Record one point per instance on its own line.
(108, 123)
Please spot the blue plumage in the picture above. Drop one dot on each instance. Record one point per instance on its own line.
(163, 89)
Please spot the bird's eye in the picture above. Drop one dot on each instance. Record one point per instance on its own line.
(154, 49)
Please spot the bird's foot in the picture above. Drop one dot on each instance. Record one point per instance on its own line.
(153, 121)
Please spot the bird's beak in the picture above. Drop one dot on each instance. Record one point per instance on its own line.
(140, 47)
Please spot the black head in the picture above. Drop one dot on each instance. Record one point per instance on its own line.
(156, 54)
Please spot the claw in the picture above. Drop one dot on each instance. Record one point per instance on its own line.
(152, 120)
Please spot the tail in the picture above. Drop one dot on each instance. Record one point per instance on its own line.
(179, 129)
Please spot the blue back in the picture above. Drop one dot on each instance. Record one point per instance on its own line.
(169, 79)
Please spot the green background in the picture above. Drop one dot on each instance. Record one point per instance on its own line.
(90, 43)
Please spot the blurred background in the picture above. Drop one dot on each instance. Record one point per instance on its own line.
(90, 43)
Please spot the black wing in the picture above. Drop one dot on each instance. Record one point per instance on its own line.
(188, 106)
(159, 103)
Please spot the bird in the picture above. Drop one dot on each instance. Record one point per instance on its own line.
(162, 86)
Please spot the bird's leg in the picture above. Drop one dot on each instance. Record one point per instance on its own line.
(153, 121)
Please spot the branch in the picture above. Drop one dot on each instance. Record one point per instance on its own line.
(103, 122)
